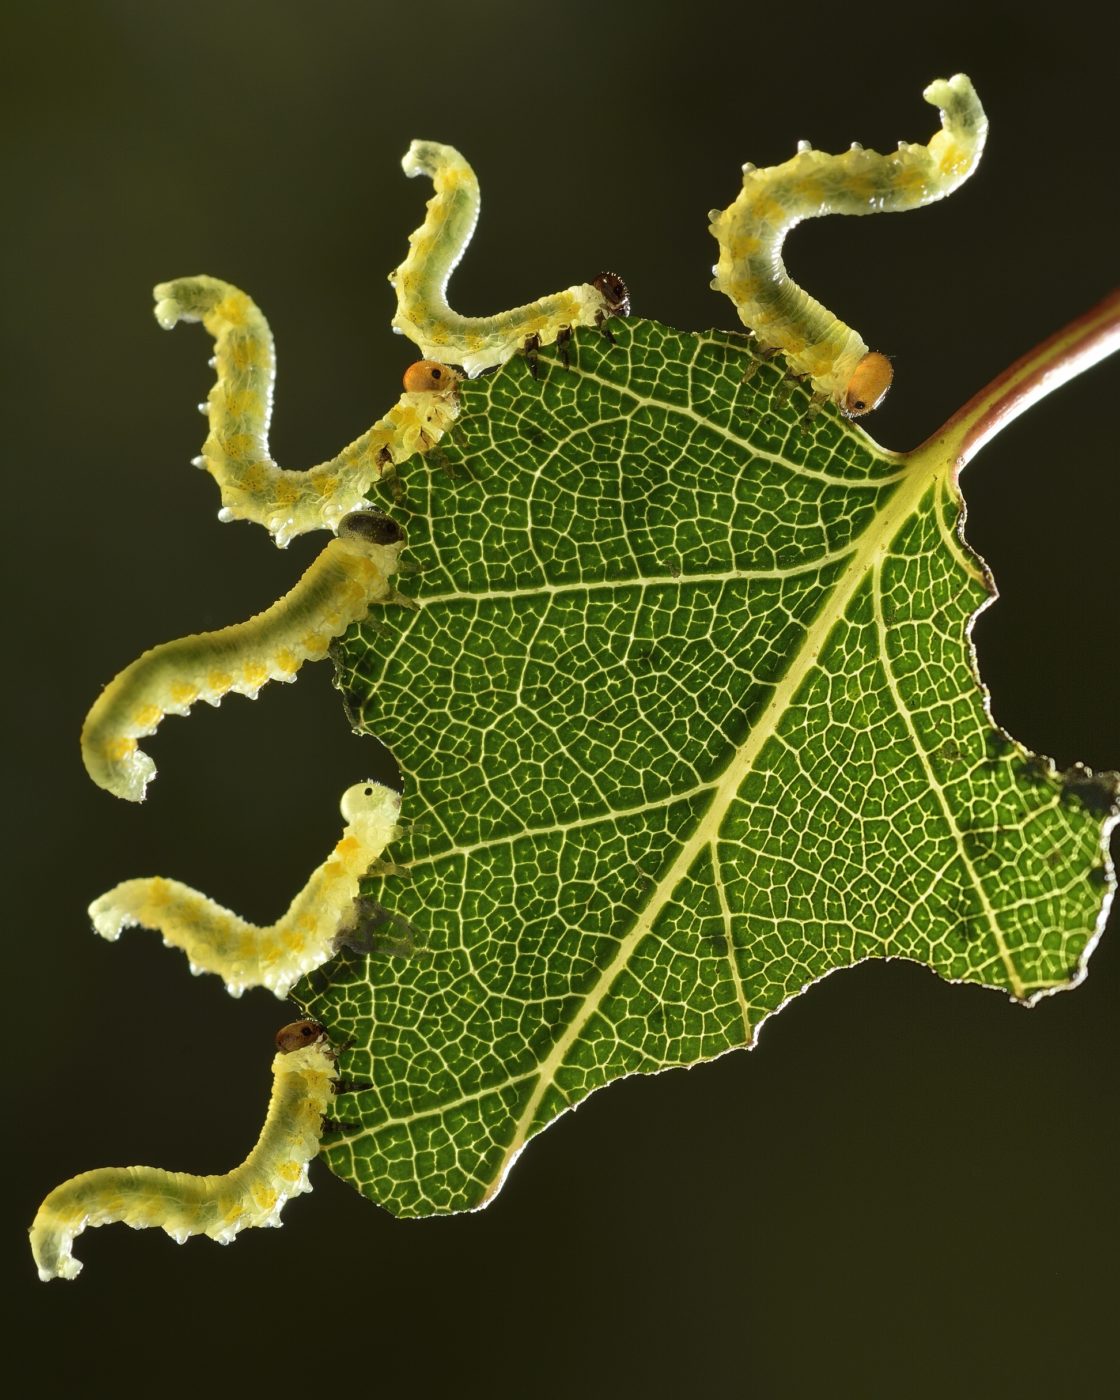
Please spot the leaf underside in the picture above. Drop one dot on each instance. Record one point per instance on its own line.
(687, 719)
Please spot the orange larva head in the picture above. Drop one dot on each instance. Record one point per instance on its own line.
(297, 1035)
(426, 375)
(868, 385)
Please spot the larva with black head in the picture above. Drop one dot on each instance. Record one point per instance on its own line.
(752, 229)
(276, 955)
(182, 1205)
(239, 408)
(347, 578)
(474, 342)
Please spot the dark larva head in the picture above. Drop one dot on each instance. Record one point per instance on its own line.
(427, 375)
(370, 525)
(297, 1035)
(868, 385)
(614, 291)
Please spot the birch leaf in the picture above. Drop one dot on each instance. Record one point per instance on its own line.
(688, 718)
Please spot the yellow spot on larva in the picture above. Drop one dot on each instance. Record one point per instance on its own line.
(348, 846)
(218, 682)
(120, 748)
(769, 210)
(254, 673)
(232, 309)
(243, 353)
(287, 661)
(952, 160)
(147, 715)
(182, 692)
(289, 1171)
(239, 403)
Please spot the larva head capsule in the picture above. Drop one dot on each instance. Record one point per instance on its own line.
(868, 385)
(297, 1035)
(427, 376)
(373, 526)
(372, 802)
(614, 292)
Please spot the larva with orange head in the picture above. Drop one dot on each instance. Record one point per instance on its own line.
(247, 955)
(347, 578)
(253, 1194)
(474, 342)
(751, 231)
(239, 408)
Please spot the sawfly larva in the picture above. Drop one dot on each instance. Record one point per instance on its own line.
(751, 231)
(253, 1194)
(350, 575)
(475, 342)
(239, 408)
(246, 955)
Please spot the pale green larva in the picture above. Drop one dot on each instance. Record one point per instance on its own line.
(239, 408)
(253, 1194)
(475, 342)
(247, 955)
(751, 231)
(350, 575)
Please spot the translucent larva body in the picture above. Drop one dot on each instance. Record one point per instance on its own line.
(218, 1206)
(239, 407)
(751, 231)
(474, 342)
(350, 575)
(244, 954)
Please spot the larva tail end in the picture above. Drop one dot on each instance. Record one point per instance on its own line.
(961, 112)
(429, 158)
(187, 298)
(118, 765)
(128, 778)
(107, 919)
(51, 1250)
(168, 312)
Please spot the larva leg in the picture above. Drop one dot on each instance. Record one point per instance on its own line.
(350, 575)
(751, 231)
(239, 407)
(219, 1206)
(474, 342)
(276, 956)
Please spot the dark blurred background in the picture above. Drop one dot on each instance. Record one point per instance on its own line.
(909, 1189)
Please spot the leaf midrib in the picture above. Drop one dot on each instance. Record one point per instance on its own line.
(924, 472)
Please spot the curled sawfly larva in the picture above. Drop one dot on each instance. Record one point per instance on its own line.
(751, 231)
(278, 955)
(239, 407)
(218, 1206)
(474, 342)
(348, 577)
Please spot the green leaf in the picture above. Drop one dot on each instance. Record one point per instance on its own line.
(688, 719)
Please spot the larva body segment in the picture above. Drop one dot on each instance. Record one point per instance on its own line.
(218, 1206)
(751, 231)
(474, 342)
(244, 954)
(350, 575)
(239, 407)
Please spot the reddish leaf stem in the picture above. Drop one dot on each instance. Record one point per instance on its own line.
(1069, 352)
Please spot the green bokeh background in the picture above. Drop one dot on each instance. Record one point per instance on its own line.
(909, 1189)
